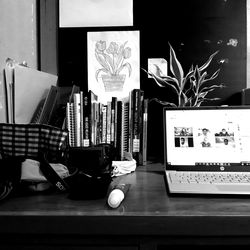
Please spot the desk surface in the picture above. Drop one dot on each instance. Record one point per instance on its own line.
(146, 210)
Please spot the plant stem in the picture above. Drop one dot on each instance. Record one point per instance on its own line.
(179, 99)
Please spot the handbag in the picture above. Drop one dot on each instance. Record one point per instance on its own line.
(48, 144)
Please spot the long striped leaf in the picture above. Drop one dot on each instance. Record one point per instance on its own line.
(215, 74)
(212, 87)
(206, 64)
(176, 67)
(165, 81)
(163, 102)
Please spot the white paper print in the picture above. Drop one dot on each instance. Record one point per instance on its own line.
(94, 13)
(113, 63)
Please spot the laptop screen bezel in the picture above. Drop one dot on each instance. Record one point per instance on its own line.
(225, 168)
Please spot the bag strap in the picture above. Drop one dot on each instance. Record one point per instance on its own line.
(51, 174)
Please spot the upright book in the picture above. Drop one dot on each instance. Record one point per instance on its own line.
(48, 106)
(136, 126)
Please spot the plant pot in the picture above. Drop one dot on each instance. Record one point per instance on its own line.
(113, 82)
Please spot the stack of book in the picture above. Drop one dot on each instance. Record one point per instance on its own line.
(120, 123)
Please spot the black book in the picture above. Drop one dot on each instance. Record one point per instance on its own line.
(113, 138)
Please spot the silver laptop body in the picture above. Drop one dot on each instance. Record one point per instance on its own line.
(207, 150)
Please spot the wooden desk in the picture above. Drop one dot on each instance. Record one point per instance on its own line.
(147, 219)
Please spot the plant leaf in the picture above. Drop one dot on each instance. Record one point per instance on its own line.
(215, 74)
(189, 102)
(191, 90)
(176, 67)
(197, 75)
(206, 100)
(212, 87)
(202, 94)
(189, 74)
(184, 99)
(206, 64)
(167, 81)
(201, 80)
(163, 102)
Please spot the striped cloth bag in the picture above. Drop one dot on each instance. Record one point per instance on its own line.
(29, 140)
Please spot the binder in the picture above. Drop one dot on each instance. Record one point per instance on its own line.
(29, 88)
(3, 100)
(9, 88)
(26, 87)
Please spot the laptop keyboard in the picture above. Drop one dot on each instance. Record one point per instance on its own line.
(209, 177)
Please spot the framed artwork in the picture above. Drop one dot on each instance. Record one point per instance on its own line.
(113, 63)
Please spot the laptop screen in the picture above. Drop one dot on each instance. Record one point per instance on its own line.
(207, 136)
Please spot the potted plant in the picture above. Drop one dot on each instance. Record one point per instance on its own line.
(112, 61)
(190, 89)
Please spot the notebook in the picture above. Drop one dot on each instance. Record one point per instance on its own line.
(207, 150)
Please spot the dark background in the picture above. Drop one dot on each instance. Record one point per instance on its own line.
(194, 28)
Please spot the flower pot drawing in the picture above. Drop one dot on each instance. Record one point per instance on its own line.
(113, 82)
(112, 60)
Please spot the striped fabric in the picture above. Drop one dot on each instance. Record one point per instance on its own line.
(29, 140)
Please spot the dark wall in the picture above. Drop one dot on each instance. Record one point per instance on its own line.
(194, 28)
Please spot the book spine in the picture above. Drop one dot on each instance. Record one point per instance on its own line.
(113, 138)
(95, 122)
(109, 122)
(125, 118)
(104, 124)
(81, 118)
(141, 125)
(92, 118)
(135, 125)
(77, 115)
(98, 122)
(48, 107)
(145, 131)
(119, 134)
(74, 89)
(141, 111)
(70, 123)
(130, 121)
(86, 125)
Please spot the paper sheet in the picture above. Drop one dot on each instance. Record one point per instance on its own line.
(93, 13)
(30, 87)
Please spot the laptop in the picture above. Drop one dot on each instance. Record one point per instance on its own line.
(207, 150)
